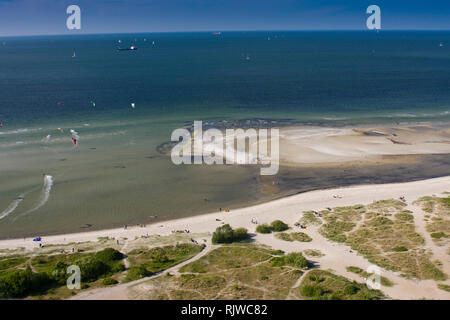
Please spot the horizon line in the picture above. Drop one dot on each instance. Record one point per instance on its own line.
(228, 31)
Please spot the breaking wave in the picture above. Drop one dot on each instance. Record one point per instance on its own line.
(45, 195)
(11, 207)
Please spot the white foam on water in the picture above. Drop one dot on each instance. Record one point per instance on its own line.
(19, 131)
(11, 207)
(45, 195)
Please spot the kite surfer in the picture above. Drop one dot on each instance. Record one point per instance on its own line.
(75, 137)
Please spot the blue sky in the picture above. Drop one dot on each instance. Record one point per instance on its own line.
(35, 17)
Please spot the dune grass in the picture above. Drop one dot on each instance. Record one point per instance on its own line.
(309, 219)
(339, 221)
(324, 285)
(384, 233)
(438, 223)
(294, 236)
(237, 271)
(444, 287)
(364, 274)
(145, 262)
(313, 253)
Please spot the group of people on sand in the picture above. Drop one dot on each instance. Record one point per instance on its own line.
(302, 226)
(180, 231)
(224, 210)
(254, 221)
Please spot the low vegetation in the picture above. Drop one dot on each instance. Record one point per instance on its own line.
(384, 233)
(313, 253)
(247, 272)
(364, 274)
(275, 226)
(438, 221)
(264, 228)
(340, 221)
(146, 262)
(236, 271)
(279, 226)
(323, 285)
(294, 236)
(293, 259)
(42, 273)
(309, 219)
(444, 287)
(226, 234)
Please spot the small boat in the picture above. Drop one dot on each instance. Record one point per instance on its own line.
(74, 55)
(131, 48)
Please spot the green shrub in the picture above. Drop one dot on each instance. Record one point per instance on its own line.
(279, 226)
(400, 249)
(240, 234)
(21, 283)
(300, 236)
(109, 282)
(264, 228)
(137, 272)
(438, 235)
(296, 259)
(444, 287)
(226, 234)
(293, 259)
(109, 255)
(223, 234)
(351, 289)
(312, 291)
(307, 290)
(93, 269)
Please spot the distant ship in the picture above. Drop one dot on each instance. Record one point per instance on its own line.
(217, 33)
(74, 55)
(131, 48)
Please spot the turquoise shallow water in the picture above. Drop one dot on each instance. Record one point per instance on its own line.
(116, 175)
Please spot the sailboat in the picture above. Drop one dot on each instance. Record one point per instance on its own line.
(74, 55)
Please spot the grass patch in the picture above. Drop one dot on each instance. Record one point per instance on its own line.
(444, 287)
(340, 221)
(309, 219)
(383, 280)
(49, 272)
(279, 226)
(293, 259)
(294, 236)
(227, 257)
(238, 271)
(438, 235)
(313, 253)
(145, 262)
(264, 229)
(324, 285)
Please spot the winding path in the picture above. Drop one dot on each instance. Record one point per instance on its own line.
(119, 292)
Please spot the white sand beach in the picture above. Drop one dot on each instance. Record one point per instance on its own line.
(337, 256)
